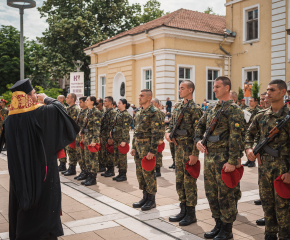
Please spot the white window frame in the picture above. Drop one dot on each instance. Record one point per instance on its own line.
(220, 74)
(192, 78)
(245, 10)
(247, 69)
(100, 85)
(143, 80)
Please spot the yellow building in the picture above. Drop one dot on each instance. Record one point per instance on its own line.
(250, 42)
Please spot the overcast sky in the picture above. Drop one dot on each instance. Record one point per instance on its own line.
(34, 25)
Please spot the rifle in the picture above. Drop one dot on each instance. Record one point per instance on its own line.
(212, 125)
(262, 146)
(177, 132)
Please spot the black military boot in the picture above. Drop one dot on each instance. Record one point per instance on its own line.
(189, 217)
(225, 233)
(270, 237)
(83, 175)
(87, 179)
(180, 215)
(110, 172)
(92, 180)
(215, 231)
(172, 166)
(252, 164)
(261, 222)
(115, 178)
(142, 201)
(150, 203)
(158, 174)
(247, 163)
(71, 170)
(62, 167)
(258, 202)
(122, 176)
(102, 168)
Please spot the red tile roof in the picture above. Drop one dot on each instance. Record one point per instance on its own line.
(181, 19)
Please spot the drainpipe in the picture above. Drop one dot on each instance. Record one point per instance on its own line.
(153, 66)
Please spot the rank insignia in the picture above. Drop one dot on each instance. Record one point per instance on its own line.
(125, 123)
(156, 124)
(237, 125)
(97, 121)
(196, 121)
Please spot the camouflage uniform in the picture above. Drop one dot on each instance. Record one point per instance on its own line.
(64, 160)
(3, 115)
(80, 152)
(253, 112)
(185, 183)
(73, 112)
(92, 134)
(146, 137)
(243, 107)
(276, 209)
(100, 153)
(108, 118)
(121, 134)
(159, 155)
(222, 199)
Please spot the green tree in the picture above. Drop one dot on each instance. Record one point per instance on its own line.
(8, 94)
(241, 94)
(209, 10)
(50, 92)
(151, 11)
(255, 90)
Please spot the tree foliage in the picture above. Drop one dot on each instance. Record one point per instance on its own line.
(7, 95)
(255, 90)
(50, 92)
(241, 94)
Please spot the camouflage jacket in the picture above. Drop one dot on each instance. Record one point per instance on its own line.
(147, 125)
(229, 127)
(243, 107)
(162, 120)
(188, 123)
(263, 122)
(93, 125)
(254, 112)
(107, 122)
(3, 115)
(122, 127)
(81, 117)
(73, 112)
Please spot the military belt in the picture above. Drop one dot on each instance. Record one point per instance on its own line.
(86, 130)
(184, 142)
(217, 150)
(143, 139)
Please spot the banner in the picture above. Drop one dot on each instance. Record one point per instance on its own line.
(77, 84)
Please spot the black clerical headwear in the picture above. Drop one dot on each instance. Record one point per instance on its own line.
(22, 85)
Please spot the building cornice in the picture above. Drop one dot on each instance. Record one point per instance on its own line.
(232, 2)
(159, 33)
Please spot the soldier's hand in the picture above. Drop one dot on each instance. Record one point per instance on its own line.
(123, 144)
(93, 144)
(259, 159)
(250, 154)
(41, 96)
(239, 163)
(167, 137)
(80, 134)
(132, 152)
(160, 142)
(192, 160)
(229, 167)
(286, 178)
(150, 156)
(201, 148)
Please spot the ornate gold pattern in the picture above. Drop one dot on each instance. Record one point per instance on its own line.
(21, 103)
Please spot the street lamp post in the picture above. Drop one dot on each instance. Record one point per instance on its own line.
(21, 4)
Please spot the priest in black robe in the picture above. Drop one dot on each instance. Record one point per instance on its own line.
(34, 133)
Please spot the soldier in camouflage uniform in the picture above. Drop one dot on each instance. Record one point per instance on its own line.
(81, 152)
(243, 104)
(155, 102)
(121, 136)
(185, 151)
(91, 136)
(62, 161)
(73, 111)
(107, 122)
(222, 150)
(276, 209)
(172, 151)
(102, 165)
(253, 109)
(3, 114)
(145, 143)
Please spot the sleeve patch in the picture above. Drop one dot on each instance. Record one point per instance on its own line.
(156, 124)
(237, 125)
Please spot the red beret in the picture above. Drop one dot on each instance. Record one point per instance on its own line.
(241, 171)
(3, 100)
(110, 148)
(281, 188)
(161, 147)
(125, 149)
(60, 154)
(82, 145)
(73, 144)
(95, 148)
(231, 179)
(193, 170)
(148, 165)
(243, 100)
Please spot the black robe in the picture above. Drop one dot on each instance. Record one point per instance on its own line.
(32, 140)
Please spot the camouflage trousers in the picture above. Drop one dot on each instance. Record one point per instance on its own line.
(221, 198)
(172, 150)
(108, 159)
(64, 160)
(276, 209)
(91, 159)
(80, 153)
(120, 159)
(185, 184)
(146, 179)
(72, 154)
(159, 159)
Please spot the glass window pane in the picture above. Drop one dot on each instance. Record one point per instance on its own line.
(146, 74)
(250, 15)
(255, 76)
(103, 91)
(187, 73)
(256, 13)
(249, 30)
(181, 72)
(150, 74)
(103, 81)
(255, 33)
(209, 90)
(147, 85)
(249, 76)
(216, 74)
(209, 75)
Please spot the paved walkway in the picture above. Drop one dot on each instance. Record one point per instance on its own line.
(104, 211)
